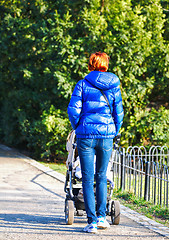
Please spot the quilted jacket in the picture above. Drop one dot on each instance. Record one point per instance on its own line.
(88, 110)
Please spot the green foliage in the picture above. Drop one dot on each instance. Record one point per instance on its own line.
(48, 134)
(44, 50)
(149, 127)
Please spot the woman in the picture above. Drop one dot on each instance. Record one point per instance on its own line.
(95, 128)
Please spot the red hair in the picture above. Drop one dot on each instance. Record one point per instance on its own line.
(98, 62)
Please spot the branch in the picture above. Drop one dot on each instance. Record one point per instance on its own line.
(158, 6)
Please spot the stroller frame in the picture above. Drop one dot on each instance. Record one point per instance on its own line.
(74, 203)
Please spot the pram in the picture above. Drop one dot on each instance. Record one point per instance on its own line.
(74, 203)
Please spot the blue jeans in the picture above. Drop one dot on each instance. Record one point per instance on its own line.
(87, 149)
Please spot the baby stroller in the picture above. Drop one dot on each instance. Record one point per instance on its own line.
(74, 203)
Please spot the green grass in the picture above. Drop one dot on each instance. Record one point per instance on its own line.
(128, 199)
(59, 167)
(138, 184)
(155, 212)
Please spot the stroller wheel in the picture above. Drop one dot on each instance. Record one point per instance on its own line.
(69, 212)
(115, 212)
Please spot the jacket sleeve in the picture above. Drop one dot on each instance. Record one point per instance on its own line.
(75, 105)
(118, 112)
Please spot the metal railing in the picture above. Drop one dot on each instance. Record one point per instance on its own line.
(143, 172)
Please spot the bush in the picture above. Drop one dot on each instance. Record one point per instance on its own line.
(149, 126)
(47, 136)
(44, 51)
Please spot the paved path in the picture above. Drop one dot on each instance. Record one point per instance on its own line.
(32, 207)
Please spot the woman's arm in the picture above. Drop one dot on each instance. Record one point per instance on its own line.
(75, 105)
(118, 112)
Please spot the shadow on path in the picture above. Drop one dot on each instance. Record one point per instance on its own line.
(46, 189)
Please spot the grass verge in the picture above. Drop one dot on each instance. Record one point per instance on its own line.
(59, 167)
(155, 212)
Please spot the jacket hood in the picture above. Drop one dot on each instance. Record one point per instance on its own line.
(103, 80)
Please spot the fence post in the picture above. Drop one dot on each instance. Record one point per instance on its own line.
(146, 181)
(167, 188)
(122, 183)
(155, 184)
(161, 183)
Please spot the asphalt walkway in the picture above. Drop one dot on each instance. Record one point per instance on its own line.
(32, 207)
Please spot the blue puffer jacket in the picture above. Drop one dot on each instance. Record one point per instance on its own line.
(88, 110)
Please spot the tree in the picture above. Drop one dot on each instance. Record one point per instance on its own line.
(44, 51)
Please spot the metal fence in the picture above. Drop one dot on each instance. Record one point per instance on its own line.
(143, 172)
